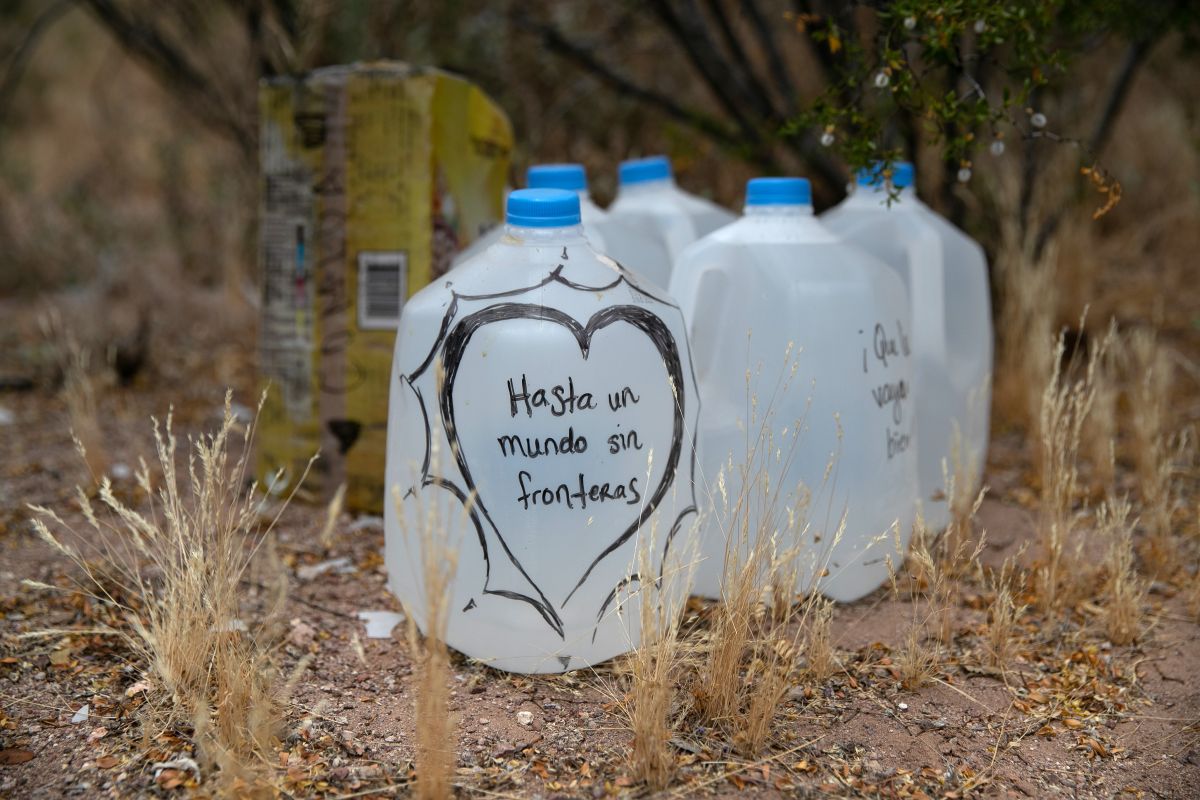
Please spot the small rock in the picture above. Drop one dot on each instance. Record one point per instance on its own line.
(364, 522)
(350, 744)
(302, 634)
(380, 623)
(525, 718)
(484, 720)
(902, 706)
(339, 566)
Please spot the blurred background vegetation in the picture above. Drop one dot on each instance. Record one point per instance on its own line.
(128, 153)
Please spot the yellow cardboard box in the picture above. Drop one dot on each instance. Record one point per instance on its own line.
(373, 177)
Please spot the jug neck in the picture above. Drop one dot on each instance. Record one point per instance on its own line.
(540, 237)
(777, 211)
(645, 187)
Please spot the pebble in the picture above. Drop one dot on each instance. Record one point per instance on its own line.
(903, 706)
(525, 718)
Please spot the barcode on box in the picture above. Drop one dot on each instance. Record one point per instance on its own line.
(382, 278)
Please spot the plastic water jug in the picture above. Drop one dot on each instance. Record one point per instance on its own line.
(630, 245)
(647, 197)
(542, 398)
(802, 350)
(946, 275)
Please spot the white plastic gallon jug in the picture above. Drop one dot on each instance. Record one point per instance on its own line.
(647, 197)
(797, 331)
(631, 246)
(946, 275)
(543, 395)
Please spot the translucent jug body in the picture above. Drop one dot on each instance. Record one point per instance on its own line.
(802, 351)
(632, 245)
(648, 200)
(540, 400)
(946, 275)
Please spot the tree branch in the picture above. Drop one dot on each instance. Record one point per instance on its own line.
(24, 51)
(689, 33)
(556, 42)
(1135, 56)
(740, 63)
(193, 90)
(766, 40)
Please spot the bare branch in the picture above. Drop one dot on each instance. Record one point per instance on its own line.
(556, 42)
(739, 63)
(17, 62)
(1135, 56)
(766, 40)
(688, 30)
(191, 87)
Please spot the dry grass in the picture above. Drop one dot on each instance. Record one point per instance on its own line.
(655, 667)
(933, 576)
(1029, 291)
(1004, 613)
(748, 662)
(1100, 427)
(78, 392)
(820, 662)
(1155, 451)
(175, 574)
(436, 744)
(1124, 591)
(1066, 401)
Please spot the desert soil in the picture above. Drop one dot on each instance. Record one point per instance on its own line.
(1071, 715)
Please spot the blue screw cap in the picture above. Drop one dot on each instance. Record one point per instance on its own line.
(778, 192)
(570, 177)
(643, 170)
(542, 208)
(904, 174)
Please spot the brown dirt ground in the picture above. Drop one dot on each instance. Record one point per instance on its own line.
(1071, 715)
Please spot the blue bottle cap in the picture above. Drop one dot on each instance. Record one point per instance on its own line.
(778, 192)
(543, 208)
(570, 177)
(642, 170)
(903, 174)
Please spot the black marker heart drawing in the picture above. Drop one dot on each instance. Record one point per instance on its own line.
(646, 322)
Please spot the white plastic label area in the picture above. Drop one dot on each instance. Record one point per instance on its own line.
(546, 396)
(803, 338)
(631, 243)
(946, 273)
(648, 200)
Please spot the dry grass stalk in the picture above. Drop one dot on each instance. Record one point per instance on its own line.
(175, 573)
(1004, 613)
(655, 669)
(1150, 379)
(761, 520)
(1124, 591)
(1066, 403)
(436, 745)
(1100, 429)
(818, 641)
(1026, 326)
(933, 590)
(1156, 453)
(78, 392)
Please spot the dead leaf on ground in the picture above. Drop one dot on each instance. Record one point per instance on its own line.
(14, 756)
